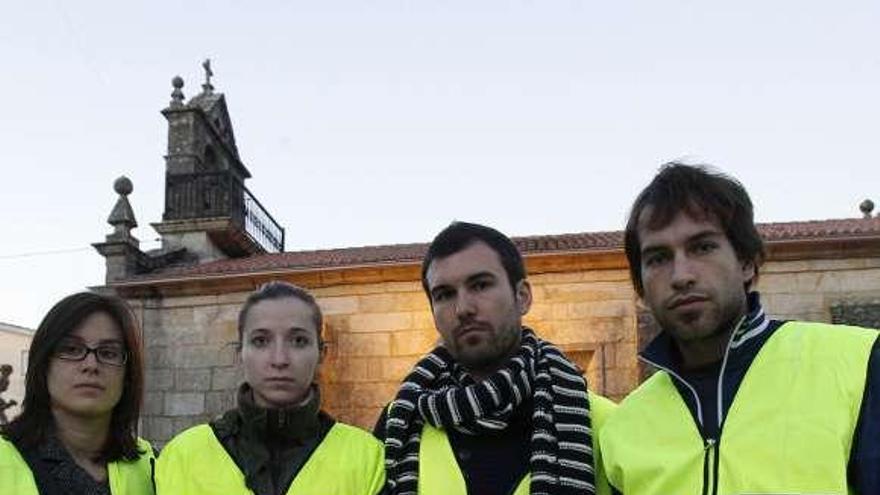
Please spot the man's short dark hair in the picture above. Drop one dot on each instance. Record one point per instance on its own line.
(278, 289)
(461, 235)
(700, 193)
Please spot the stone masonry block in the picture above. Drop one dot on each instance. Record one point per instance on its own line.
(423, 320)
(359, 369)
(218, 402)
(159, 357)
(158, 429)
(226, 378)
(334, 395)
(204, 356)
(153, 403)
(387, 303)
(184, 403)
(402, 287)
(379, 322)
(592, 291)
(364, 344)
(217, 323)
(413, 342)
(181, 327)
(588, 330)
(792, 303)
(607, 308)
(158, 379)
(339, 305)
(395, 369)
(192, 379)
(372, 395)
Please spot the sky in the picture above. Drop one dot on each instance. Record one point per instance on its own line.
(379, 122)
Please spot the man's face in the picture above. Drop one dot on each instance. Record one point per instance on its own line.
(693, 280)
(478, 314)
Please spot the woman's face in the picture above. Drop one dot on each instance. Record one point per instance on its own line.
(280, 351)
(90, 386)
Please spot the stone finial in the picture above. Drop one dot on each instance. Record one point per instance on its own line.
(207, 88)
(866, 207)
(122, 217)
(177, 94)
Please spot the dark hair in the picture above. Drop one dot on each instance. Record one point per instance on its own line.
(700, 193)
(29, 429)
(277, 289)
(460, 235)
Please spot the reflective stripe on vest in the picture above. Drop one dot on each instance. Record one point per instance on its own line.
(788, 430)
(439, 472)
(349, 461)
(134, 478)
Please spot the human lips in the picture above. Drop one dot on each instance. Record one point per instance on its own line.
(469, 328)
(685, 301)
(89, 386)
(280, 380)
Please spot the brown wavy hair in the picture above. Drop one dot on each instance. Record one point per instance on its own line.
(700, 193)
(29, 429)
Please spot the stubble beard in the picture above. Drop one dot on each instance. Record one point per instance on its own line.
(490, 356)
(708, 330)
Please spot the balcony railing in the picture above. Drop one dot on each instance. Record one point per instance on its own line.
(221, 194)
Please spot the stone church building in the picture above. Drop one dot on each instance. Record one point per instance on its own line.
(219, 243)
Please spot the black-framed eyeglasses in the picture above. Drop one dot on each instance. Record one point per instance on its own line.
(113, 355)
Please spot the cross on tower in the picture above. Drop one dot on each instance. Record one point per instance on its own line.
(208, 73)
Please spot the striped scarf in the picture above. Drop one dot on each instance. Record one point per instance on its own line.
(439, 392)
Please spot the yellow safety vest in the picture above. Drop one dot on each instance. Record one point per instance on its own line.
(439, 472)
(349, 461)
(126, 477)
(788, 430)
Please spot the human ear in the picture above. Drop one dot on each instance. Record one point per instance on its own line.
(523, 295)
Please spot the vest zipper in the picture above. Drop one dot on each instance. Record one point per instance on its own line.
(710, 445)
(710, 466)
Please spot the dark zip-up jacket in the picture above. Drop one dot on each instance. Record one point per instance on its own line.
(270, 446)
(708, 403)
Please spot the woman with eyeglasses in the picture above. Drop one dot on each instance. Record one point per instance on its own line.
(277, 441)
(77, 431)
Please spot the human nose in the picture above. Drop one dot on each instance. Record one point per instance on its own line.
(280, 357)
(90, 360)
(683, 273)
(464, 306)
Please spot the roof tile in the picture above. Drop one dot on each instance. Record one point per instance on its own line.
(818, 230)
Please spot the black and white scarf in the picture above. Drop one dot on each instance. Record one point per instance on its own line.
(438, 391)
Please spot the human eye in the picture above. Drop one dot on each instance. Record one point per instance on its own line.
(111, 354)
(481, 284)
(301, 341)
(70, 350)
(440, 295)
(259, 340)
(655, 259)
(705, 246)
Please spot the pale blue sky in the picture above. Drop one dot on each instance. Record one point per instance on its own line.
(368, 122)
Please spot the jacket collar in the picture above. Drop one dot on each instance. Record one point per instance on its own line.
(663, 352)
(297, 423)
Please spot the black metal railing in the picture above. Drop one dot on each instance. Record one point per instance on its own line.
(221, 194)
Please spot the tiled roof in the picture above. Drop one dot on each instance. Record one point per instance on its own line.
(818, 231)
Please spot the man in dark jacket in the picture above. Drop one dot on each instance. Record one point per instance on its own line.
(494, 410)
(742, 403)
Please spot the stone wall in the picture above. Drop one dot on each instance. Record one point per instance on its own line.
(807, 290)
(378, 324)
(191, 360)
(375, 331)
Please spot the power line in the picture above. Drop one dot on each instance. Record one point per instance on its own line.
(42, 253)
(31, 254)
